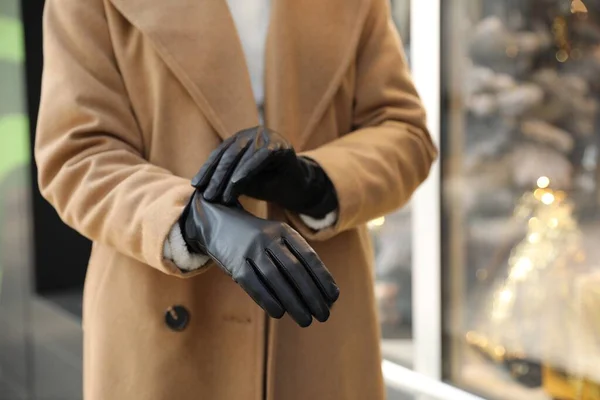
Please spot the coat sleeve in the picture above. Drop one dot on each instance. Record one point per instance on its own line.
(376, 168)
(89, 148)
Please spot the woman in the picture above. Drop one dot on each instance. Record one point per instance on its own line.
(136, 96)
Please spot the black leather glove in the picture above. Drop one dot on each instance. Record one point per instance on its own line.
(261, 163)
(268, 259)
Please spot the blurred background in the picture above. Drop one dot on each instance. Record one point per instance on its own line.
(513, 296)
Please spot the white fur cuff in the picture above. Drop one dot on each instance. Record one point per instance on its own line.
(176, 250)
(319, 224)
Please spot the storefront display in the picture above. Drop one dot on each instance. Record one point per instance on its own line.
(521, 197)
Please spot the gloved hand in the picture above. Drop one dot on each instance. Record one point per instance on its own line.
(261, 163)
(268, 259)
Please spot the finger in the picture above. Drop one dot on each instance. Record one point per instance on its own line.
(225, 168)
(208, 168)
(286, 294)
(301, 280)
(251, 282)
(250, 165)
(313, 264)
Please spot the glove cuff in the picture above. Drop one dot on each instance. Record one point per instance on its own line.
(176, 250)
(187, 230)
(322, 223)
(321, 194)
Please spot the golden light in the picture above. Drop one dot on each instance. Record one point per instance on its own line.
(375, 223)
(577, 6)
(477, 339)
(499, 351)
(524, 263)
(533, 223)
(547, 198)
(553, 223)
(543, 182)
(506, 295)
(559, 195)
(520, 270)
(539, 193)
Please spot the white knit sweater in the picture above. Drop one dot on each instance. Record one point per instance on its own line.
(251, 18)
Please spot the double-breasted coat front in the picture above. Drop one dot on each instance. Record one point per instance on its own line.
(135, 96)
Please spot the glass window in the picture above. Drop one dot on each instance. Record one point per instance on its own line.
(521, 197)
(392, 241)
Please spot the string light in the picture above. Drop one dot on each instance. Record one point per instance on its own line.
(543, 182)
(534, 237)
(506, 295)
(547, 198)
(376, 223)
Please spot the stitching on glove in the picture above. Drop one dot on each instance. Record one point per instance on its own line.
(310, 270)
(287, 275)
(263, 279)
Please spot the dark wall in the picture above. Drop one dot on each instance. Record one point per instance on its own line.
(61, 254)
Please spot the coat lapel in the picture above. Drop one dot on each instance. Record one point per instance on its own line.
(310, 46)
(198, 41)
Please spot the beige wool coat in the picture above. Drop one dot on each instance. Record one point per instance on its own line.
(136, 94)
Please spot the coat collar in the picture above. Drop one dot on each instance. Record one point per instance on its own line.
(309, 46)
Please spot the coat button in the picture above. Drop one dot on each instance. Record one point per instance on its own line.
(177, 318)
